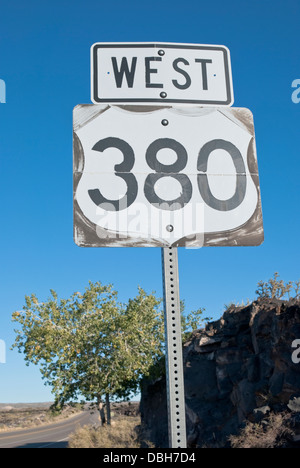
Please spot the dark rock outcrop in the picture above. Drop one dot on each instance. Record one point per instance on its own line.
(237, 369)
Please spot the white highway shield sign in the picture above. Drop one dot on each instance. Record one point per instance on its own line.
(161, 73)
(146, 176)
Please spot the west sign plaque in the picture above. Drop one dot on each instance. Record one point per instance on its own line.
(161, 73)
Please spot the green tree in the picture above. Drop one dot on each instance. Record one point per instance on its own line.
(90, 345)
(194, 320)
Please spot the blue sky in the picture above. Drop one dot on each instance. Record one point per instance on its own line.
(45, 62)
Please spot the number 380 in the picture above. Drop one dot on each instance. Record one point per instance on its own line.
(124, 169)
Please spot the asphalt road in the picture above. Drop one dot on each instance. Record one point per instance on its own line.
(50, 436)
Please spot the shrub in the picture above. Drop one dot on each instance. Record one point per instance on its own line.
(270, 433)
(123, 433)
(276, 288)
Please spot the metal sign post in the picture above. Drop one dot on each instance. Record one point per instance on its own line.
(173, 340)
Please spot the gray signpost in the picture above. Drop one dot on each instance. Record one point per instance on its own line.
(173, 339)
(162, 176)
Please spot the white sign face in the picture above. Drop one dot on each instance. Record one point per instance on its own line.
(165, 177)
(161, 73)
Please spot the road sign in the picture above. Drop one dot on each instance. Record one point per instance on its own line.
(161, 177)
(161, 73)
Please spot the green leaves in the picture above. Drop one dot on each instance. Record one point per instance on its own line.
(89, 344)
(192, 321)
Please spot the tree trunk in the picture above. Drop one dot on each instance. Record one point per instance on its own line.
(101, 411)
(108, 409)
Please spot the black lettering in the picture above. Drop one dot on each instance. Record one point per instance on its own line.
(204, 62)
(188, 81)
(124, 69)
(202, 179)
(149, 70)
(170, 170)
(121, 170)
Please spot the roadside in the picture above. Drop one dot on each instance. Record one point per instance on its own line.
(75, 427)
(124, 431)
(54, 435)
(80, 428)
(15, 417)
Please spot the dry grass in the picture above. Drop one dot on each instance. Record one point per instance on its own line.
(123, 433)
(270, 433)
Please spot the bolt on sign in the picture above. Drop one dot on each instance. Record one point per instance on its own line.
(161, 73)
(165, 177)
